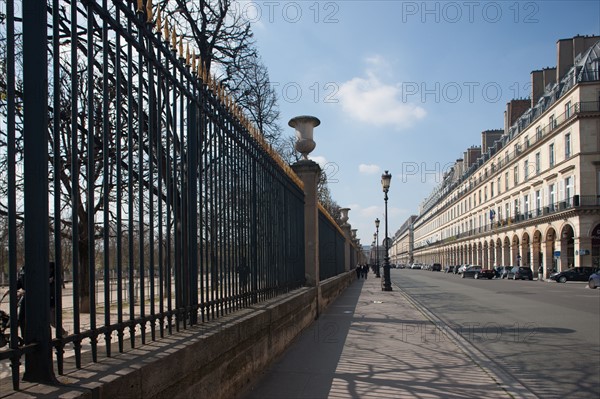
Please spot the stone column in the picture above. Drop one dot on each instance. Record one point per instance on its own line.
(309, 171)
(584, 243)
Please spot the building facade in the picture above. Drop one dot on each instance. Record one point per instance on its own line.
(532, 197)
(402, 244)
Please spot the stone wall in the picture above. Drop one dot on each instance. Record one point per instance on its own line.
(217, 359)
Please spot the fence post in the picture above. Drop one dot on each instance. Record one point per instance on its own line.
(309, 171)
(38, 363)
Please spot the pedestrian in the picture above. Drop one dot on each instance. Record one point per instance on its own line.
(21, 291)
(244, 272)
(365, 271)
(541, 273)
(358, 271)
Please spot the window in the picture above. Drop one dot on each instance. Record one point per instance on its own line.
(551, 196)
(479, 203)
(552, 122)
(526, 141)
(526, 170)
(569, 190)
(507, 210)
(538, 202)
(567, 145)
(499, 188)
(551, 154)
(537, 163)
(506, 157)
(506, 181)
(491, 189)
(526, 205)
(538, 133)
(517, 210)
(568, 110)
(516, 174)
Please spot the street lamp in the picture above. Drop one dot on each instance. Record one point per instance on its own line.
(386, 178)
(377, 274)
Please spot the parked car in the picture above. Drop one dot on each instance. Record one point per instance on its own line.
(573, 274)
(462, 268)
(415, 266)
(486, 273)
(449, 269)
(520, 273)
(436, 267)
(502, 271)
(594, 280)
(471, 271)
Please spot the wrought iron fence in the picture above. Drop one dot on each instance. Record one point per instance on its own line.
(125, 164)
(331, 247)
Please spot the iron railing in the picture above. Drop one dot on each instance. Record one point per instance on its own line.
(123, 162)
(331, 247)
(574, 202)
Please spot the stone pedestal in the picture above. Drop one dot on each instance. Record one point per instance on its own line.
(309, 171)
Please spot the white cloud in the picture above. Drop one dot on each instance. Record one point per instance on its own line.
(369, 100)
(368, 169)
(322, 161)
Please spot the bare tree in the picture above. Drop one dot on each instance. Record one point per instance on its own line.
(254, 92)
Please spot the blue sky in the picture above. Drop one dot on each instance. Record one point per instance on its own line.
(404, 86)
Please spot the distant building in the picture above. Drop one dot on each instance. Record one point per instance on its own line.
(530, 195)
(402, 243)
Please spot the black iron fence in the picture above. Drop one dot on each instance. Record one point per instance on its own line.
(128, 167)
(331, 247)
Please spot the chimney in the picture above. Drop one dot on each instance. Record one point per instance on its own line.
(459, 167)
(514, 110)
(549, 76)
(569, 49)
(489, 137)
(537, 86)
(564, 54)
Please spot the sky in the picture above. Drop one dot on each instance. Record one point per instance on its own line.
(404, 86)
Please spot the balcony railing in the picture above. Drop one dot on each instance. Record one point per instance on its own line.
(575, 110)
(575, 202)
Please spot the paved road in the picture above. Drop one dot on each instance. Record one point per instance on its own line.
(545, 334)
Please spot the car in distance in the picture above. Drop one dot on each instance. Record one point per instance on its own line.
(471, 271)
(594, 280)
(486, 273)
(502, 271)
(573, 274)
(520, 273)
(436, 267)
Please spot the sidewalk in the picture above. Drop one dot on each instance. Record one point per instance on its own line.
(375, 344)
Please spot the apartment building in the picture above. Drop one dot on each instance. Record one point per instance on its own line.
(402, 243)
(530, 195)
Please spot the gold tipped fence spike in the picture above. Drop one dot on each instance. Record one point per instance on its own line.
(158, 21)
(149, 11)
(194, 70)
(140, 6)
(181, 47)
(173, 39)
(187, 54)
(166, 30)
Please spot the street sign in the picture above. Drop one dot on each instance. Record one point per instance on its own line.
(556, 254)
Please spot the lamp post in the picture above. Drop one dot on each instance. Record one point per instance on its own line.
(386, 178)
(377, 274)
